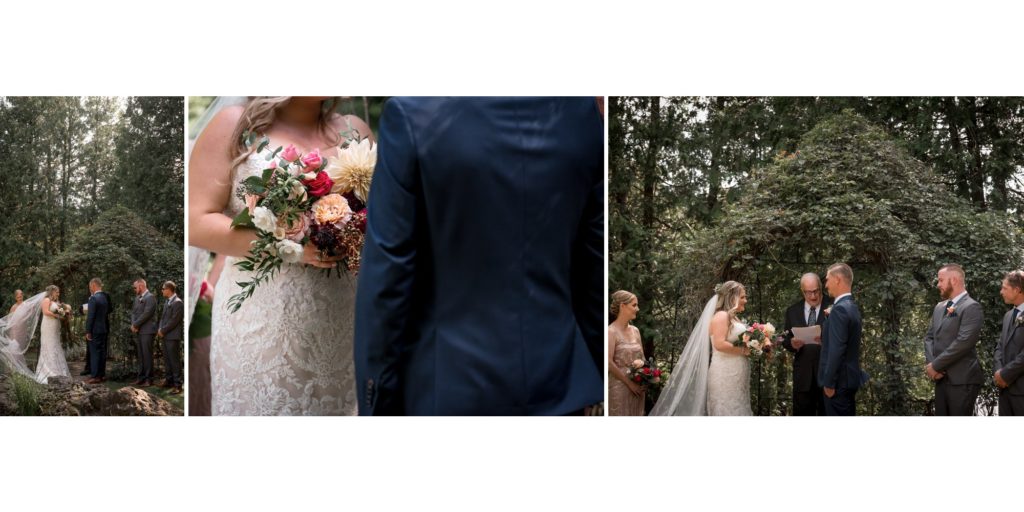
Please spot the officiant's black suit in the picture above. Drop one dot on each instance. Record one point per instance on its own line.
(808, 397)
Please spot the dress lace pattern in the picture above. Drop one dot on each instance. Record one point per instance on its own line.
(288, 350)
(52, 362)
(729, 380)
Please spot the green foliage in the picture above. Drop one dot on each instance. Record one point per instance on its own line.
(118, 248)
(25, 393)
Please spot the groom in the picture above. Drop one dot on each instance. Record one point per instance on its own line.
(96, 328)
(481, 285)
(949, 346)
(839, 369)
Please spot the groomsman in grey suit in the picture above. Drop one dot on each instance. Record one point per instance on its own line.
(172, 331)
(949, 346)
(144, 327)
(1009, 359)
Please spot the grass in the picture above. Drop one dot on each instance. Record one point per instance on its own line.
(25, 393)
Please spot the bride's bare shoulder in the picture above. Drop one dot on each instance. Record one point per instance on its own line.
(720, 317)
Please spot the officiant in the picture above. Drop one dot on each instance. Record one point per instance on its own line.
(808, 398)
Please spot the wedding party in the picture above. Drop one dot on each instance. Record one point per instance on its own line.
(396, 256)
(92, 195)
(816, 256)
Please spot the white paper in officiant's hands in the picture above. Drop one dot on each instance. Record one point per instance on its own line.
(807, 334)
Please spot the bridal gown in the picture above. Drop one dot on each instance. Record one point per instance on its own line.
(52, 362)
(288, 350)
(729, 380)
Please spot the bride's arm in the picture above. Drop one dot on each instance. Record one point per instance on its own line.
(719, 331)
(46, 308)
(209, 189)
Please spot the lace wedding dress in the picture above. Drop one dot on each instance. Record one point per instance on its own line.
(288, 350)
(729, 380)
(52, 362)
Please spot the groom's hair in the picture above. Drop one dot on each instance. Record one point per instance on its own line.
(169, 285)
(1015, 278)
(96, 281)
(842, 270)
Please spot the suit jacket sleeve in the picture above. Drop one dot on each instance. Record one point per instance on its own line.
(929, 338)
(588, 273)
(386, 277)
(1015, 367)
(90, 317)
(838, 337)
(173, 317)
(966, 338)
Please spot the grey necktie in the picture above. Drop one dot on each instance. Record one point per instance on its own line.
(812, 318)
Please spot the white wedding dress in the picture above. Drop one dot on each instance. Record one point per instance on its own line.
(52, 362)
(288, 350)
(705, 381)
(729, 379)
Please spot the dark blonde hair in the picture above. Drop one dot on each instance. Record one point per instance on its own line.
(615, 304)
(259, 115)
(49, 291)
(728, 297)
(1015, 278)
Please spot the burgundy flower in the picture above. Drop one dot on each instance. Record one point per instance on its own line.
(359, 220)
(319, 186)
(353, 201)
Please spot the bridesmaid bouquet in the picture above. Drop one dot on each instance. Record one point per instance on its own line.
(645, 373)
(300, 199)
(758, 338)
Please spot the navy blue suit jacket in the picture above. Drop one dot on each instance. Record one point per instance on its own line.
(97, 321)
(481, 283)
(839, 365)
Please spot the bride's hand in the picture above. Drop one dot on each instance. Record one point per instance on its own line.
(311, 256)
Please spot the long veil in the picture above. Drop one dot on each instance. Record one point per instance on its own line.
(16, 331)
(686, 393)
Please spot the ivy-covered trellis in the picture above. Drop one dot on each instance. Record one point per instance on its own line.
(853, 194)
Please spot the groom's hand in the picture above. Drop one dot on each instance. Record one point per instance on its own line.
(830, 392)
(999, 380)
(88, 337)
(932, 373)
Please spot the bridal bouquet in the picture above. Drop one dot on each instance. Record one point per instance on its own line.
(300, 199)
(645, 373)
(758, 338)
(63, 311)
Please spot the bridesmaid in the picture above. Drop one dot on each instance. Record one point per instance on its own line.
(625, 397)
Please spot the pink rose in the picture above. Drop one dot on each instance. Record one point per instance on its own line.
(250, 202)
(312, 161)
(297, 231)
(290, 153)
(319, 186)
(272, 165)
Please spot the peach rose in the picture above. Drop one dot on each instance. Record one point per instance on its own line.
(332, 209)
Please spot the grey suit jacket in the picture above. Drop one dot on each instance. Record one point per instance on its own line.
(950, 342)
(170, 321)
(1009, 358)
(144, 313)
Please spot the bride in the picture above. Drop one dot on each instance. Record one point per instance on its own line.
(288, 350)
(17, 329)
(721, 388)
